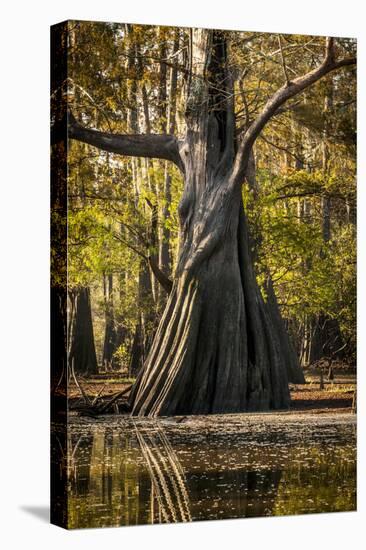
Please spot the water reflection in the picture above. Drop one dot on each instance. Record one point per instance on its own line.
(131, 472)
(168, 482)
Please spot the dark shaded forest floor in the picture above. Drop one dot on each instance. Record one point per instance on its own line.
(337, 395)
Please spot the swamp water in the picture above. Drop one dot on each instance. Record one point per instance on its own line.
(124, 471)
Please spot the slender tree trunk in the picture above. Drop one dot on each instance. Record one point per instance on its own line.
(137, 350)
(326, 334)
(145, 284)
(110, 335)
(122, 331)
(145, 321)
(165, 255)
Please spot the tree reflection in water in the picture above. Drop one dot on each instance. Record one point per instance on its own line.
(134, 472)
(167, 476)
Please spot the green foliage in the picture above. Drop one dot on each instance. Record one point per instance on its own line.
(311, 276)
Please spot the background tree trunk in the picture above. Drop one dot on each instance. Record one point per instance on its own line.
(144, 326)
(110, 335)
(82, 349)
(165, 256)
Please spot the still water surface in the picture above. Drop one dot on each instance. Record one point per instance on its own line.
(123, 471)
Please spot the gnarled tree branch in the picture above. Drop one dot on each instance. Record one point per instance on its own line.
(288, 90)
(164, 146)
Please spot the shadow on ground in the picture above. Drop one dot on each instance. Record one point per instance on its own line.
(40, 512)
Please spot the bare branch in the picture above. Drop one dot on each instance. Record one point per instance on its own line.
(281, 148)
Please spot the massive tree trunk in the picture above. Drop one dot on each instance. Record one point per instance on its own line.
(215, 349)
